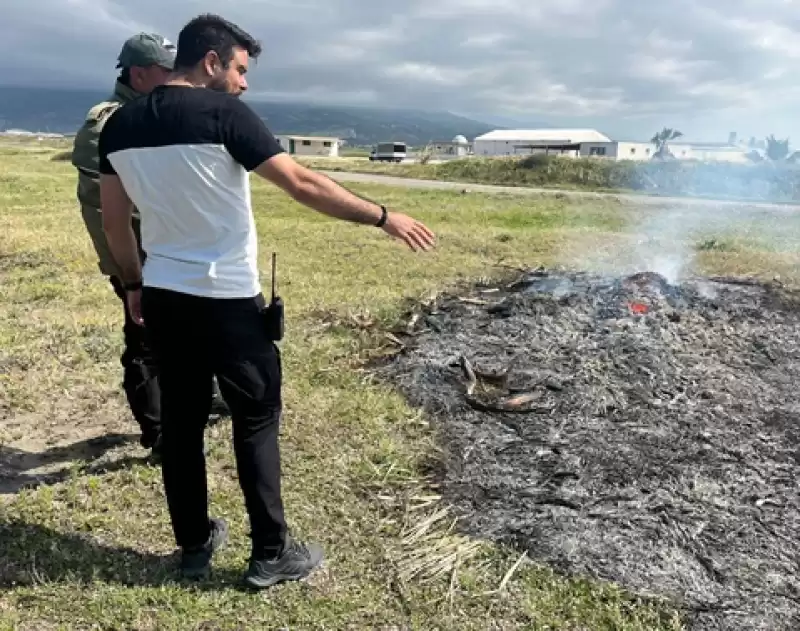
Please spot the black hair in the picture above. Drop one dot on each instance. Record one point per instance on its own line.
(209, 32)
(125, 76)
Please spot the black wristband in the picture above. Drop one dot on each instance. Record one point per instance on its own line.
(384, 216)
(134, 286)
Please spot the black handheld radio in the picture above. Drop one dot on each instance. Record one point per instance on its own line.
(273, 312)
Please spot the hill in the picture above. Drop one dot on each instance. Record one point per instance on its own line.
(61, 111)
(366, 126)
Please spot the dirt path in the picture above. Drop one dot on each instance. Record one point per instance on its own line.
(43, 448)
(375, 178)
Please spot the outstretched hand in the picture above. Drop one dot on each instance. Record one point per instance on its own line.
(416, 234)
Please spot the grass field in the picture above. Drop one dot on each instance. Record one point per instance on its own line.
(93, 549)
(765, 181)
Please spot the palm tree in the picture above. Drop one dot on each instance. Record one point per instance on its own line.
(661, 141)
(777, 149)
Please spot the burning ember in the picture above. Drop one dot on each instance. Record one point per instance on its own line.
(628, 429)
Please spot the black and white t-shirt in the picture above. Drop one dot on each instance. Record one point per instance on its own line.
(184, 155)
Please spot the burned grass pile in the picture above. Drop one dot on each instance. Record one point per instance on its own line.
(625, 429)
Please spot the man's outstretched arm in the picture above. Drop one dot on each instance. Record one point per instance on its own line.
(254, 147)
(117, 213)
(321, 193)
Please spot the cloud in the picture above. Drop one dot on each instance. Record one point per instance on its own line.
(624, 67)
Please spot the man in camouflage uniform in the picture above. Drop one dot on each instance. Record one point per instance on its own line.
(145, 61)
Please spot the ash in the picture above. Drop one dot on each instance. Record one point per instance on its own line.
(625, 429)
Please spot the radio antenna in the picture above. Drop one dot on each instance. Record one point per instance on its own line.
(274, 280)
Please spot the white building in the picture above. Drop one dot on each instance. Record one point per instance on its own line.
(616, 150)
(589, 143)
(516, 142)
(458, 147)
(630, 150)
(718, 152)
(322, 146)
(702, 152)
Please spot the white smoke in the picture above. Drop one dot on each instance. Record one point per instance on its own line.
(669, 236)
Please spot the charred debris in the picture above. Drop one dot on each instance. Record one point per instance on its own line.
(623, 428)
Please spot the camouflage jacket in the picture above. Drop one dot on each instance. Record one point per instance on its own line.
(85, 159)
(84, 151)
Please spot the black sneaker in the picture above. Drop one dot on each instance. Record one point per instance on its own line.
(150, 438)
(213, 419)
(156, 451)
(295, 562)
(219, 410)
(219, 407)
(196, 562)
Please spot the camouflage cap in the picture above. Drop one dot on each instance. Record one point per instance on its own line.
(147, 49)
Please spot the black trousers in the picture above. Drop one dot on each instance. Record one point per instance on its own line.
(195, 338)
(139, 379)
(140, 376)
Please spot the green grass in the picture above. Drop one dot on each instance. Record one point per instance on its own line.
(767, 181)
(92, 550)
(354, 152)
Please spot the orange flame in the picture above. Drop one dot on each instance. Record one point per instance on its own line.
(638, 307)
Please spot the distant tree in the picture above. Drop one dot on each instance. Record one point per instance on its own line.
(661, 141)
(777, 149)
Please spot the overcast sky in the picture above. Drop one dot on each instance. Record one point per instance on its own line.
(625, 67)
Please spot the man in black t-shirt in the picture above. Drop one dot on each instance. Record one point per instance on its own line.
(183, 155)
